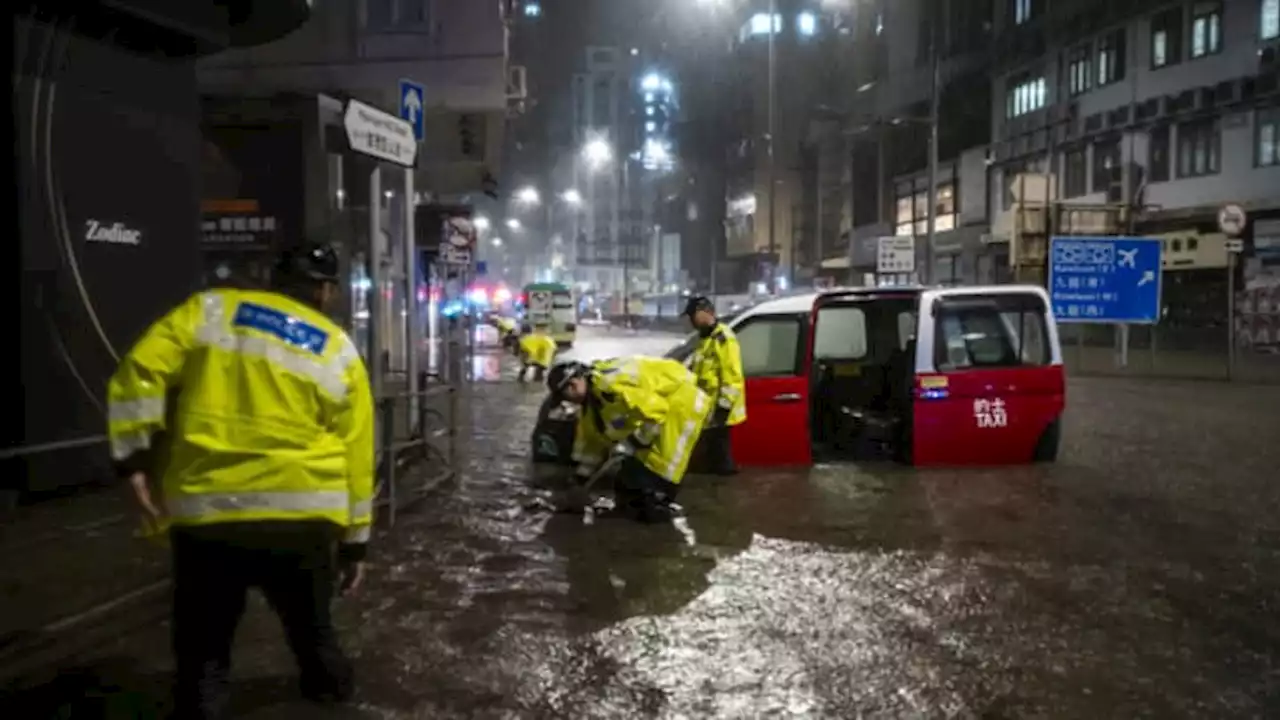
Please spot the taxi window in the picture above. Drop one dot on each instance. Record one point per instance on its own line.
(841, 333)
(991, 332)
(770, 346)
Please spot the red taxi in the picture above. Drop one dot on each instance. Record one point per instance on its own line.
(956, 376)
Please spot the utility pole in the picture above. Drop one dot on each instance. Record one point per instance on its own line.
(935, 91)
(773, 165)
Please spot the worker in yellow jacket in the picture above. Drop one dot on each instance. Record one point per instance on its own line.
(648, 410)
(506, 328)
(537, 351)
(269, 467)
(717, 363)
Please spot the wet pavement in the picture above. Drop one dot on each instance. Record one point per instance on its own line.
(1138, 577)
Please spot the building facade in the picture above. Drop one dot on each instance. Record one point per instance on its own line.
(1166, 107)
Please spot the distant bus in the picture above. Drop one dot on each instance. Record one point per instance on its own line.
(551, 304)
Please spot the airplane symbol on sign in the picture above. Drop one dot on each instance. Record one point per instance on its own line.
(1129, 258)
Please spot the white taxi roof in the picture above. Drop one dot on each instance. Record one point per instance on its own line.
(803, 302)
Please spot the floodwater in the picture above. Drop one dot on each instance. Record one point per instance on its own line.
(1138, 577)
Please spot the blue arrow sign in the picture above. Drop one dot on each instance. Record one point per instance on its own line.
(411, 103)
(1105, 279)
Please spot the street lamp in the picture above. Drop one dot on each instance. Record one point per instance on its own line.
(571, 197)
(528, 195)
(597, 153)
(513, 223)
(481, 223)
(497, 242)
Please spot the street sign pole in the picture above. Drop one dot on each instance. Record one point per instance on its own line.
(1231, 314)
(374, 264)
(412, 330)
(1231, 221)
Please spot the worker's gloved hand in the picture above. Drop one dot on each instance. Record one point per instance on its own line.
(624, 449)
(720, 416)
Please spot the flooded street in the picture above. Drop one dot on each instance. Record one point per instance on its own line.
(1138, 577)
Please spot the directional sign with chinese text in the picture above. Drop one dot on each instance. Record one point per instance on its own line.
(379, 134)
(411, 102)
(1105, 279)
(896, 254)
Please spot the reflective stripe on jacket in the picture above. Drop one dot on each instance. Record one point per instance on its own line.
(717, 362)
(273, 416)
(653, 401)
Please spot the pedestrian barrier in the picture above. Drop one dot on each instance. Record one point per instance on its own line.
(415, 429)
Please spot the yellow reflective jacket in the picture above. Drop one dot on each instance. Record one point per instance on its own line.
(717, 362)
(538, 349)
(653, 402)
(273, 416)
(505, 325)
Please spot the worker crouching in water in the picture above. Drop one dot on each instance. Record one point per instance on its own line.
(506, 328)
(648, 410)
(537, 352)
(717, 363)
(268, 476)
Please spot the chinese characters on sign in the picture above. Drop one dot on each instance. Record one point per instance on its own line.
(239, 230)
(896, 255)
(990, 413)
(1109, 279)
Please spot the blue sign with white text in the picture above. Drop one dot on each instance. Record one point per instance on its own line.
(1105, 279)
(411, 105)
(482, 268)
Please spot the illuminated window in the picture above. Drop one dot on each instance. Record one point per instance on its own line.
(1025, 94)
(650, 126)
(758, 25)
(807, 23)
(1206, 31)
(1267, 124)
(1269, 20)
(533, 9)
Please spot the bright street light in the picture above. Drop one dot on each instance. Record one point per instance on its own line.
(571, 196)
(513, 223)
(497, 242)
(528, 195)
(597, 152)
(481, 223)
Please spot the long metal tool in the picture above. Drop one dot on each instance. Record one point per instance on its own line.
(578, 497)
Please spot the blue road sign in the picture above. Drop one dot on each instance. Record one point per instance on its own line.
(1105, 279)
(482, 268)
(411, 103)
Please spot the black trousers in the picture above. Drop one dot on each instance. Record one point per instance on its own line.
(716, 450)
(294, 565)
(642, 494)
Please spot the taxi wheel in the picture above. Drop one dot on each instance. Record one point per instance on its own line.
(1047, 447)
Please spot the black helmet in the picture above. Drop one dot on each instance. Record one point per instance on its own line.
(699, 302)
(559, 376)
(317, 262)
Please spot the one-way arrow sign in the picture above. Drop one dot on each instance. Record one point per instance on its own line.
(411, 100)
(379, 134)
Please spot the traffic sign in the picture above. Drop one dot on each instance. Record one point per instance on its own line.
(411, 105)
(459, 241)
(379, 134)
(482, 268)
(1232, 219)
(1105, 279)
(896, 254)
(1235, 245)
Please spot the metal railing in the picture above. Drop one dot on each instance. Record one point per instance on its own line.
(404, 441)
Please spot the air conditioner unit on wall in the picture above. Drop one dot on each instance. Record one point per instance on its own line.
(517, 82)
